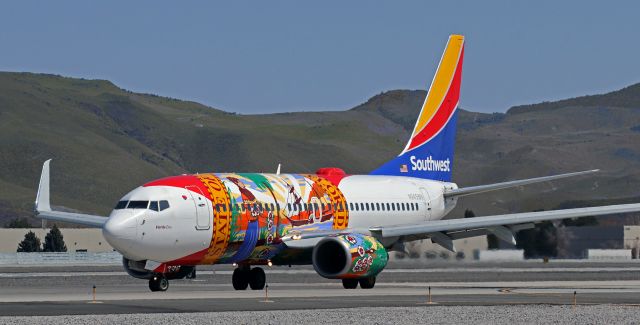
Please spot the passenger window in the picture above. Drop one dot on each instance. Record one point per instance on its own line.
(351, 206)
(138, 204)
(121, 205)
(377, 206)
(366, 206)
(164, 205)
(153, 206)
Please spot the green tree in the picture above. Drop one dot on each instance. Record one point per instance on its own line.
(30, 243)
(18, 223)
(53, 241)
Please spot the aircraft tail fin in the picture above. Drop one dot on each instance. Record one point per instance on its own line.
(429, 152)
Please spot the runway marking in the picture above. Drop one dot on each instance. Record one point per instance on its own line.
(295, 291)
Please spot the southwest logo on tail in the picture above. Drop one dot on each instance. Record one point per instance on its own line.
(429, 152)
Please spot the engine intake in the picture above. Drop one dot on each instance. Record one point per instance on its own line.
(349, 256)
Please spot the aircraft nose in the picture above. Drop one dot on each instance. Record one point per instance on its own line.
(120, 230)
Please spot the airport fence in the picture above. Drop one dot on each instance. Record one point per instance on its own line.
(67, 258)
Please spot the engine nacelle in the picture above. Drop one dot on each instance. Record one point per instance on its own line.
(136, 269)
(349, 256)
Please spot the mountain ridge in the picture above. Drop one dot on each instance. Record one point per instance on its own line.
(106, 141)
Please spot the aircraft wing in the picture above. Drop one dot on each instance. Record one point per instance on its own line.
(443, 232)
(43, 206)
(77, 218)
(498, 186)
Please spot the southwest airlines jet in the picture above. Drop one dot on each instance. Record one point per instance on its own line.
(344, 225)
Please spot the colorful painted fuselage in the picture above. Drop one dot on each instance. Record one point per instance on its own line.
(241, 217)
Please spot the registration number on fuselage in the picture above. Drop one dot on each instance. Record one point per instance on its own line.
(416, 197)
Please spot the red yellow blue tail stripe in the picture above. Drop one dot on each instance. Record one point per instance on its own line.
(429, 151)
(442, 98)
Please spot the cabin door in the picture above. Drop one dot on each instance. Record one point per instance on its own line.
(203, 209)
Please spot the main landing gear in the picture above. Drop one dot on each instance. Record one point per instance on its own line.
(365, 283)
(158, 283)
(244, 277)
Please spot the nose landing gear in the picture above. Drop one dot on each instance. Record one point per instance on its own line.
(244, 277)
(158, 283)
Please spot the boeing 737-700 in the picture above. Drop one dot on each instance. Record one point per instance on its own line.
(344, 225)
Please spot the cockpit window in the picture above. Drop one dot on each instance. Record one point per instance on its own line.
(121, 205)
(164, 205)
(138, 204)
(153, 206)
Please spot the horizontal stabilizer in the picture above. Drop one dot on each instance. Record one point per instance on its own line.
(499, 186)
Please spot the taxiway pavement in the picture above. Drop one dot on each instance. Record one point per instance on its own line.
(26, 291)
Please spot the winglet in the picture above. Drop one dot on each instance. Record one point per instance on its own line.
(42, 198)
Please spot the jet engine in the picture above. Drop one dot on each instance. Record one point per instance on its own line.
(136, 269)
(349, 256)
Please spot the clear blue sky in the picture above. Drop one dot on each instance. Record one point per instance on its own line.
(268, 56)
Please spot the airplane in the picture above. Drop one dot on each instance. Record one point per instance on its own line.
(344, 225)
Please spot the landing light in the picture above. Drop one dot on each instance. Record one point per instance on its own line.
(296, 237)
(234, 264)
(269, 263)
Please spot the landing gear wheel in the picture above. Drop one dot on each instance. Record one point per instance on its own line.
(367, 283)
(192, 274)
(158, 283)
(240, 279)
(257, 278)
(350, 283)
